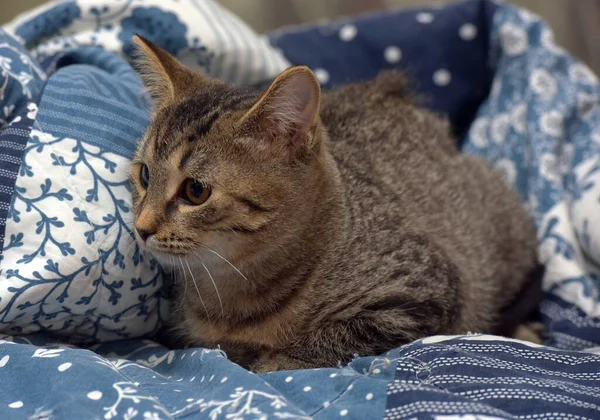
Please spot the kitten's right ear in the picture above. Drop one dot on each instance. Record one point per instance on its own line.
(163, 76)
(287, 114)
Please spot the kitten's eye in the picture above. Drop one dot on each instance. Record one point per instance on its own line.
(145, 176)
(195, 193)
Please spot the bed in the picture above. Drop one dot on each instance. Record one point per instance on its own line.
(80, 303)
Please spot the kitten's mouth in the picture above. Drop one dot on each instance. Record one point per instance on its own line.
(167, 258)
(163, 251)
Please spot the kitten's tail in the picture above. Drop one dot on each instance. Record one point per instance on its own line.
(393, 83)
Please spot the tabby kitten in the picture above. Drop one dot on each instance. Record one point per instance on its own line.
(307, 228)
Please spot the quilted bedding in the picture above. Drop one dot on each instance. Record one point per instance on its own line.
(71, 109)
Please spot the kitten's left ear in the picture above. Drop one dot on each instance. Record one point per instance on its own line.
(163, 75)
(287, 113)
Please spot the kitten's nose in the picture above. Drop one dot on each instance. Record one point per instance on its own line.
(145, 233)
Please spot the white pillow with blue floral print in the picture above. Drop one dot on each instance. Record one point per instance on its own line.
(201, 33)
(70, 264)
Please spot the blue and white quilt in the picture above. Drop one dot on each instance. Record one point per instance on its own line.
(79, 301)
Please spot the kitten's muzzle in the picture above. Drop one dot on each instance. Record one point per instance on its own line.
(144, 234)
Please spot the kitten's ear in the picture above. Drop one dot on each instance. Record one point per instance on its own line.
(162, 74)
(287, 113)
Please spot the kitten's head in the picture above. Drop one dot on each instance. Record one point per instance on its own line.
(224, 168)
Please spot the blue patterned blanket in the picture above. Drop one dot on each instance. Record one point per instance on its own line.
(71, 110)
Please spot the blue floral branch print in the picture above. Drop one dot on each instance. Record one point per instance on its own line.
(45, 223)
(104, 14)
(20, 80)
(62, 282)
(165, 29)
(49, 23)
(579, 187)
(160, 26)
(204, 56)
(589, 284)
(115, 229)
(563, 247)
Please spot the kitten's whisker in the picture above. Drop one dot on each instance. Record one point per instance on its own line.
(315, 155)
(110, 235)
(197, 289)
(130, 235)
(176, 273)
(172, 267)
(182, 269)
(215, 286)
(224, 259)
(184, 287)
(134, 243)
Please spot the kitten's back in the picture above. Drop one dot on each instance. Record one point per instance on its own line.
(382, 141)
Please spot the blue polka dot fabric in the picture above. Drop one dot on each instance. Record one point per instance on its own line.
(513, 97)
(444, 51)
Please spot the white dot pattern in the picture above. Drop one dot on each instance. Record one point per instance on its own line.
(94, 395)
(392, 54)
(425, 17)
(442, 77)
(468, 32)
(4, 360)
(64, 366)
(322, 75)
(348, 32)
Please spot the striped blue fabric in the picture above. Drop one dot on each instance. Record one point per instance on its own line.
(21, 84)
(96, 97)
(446, 377)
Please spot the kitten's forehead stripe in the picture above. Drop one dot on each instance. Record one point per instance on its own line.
(197, 114)
(185, 159)
(205, 126)
(187, 153)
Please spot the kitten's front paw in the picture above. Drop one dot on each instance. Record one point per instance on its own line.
(532, 332)
(275, 362)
